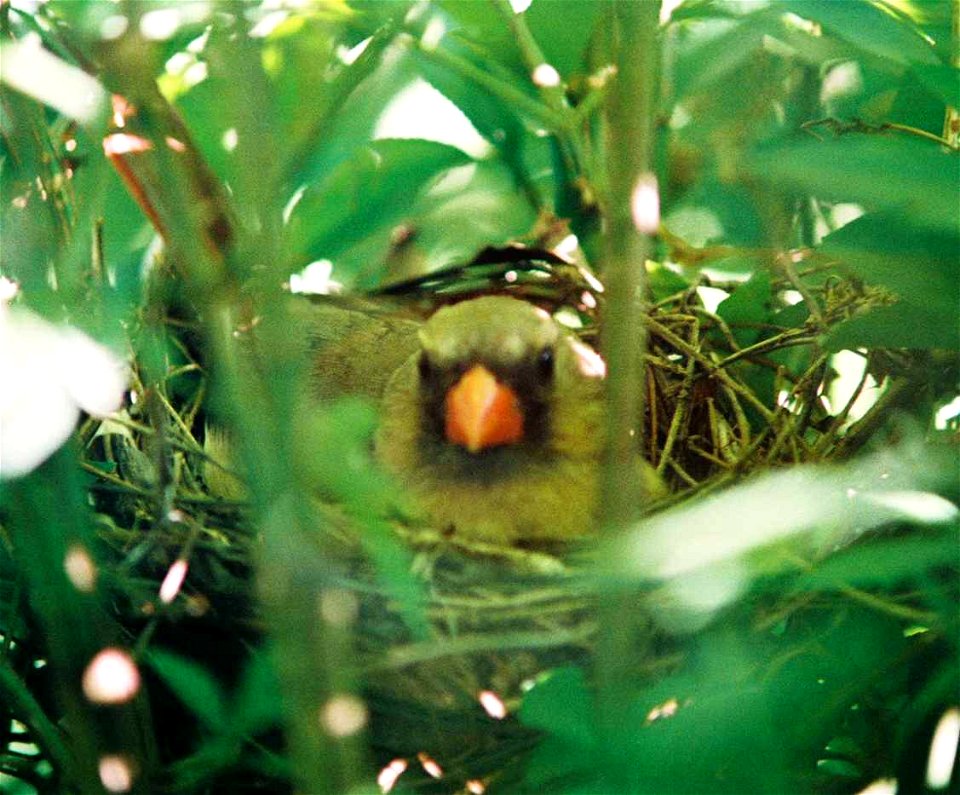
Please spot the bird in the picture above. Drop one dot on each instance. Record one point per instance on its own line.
(491, 413)
(495, 424)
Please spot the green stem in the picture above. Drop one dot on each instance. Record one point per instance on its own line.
(553, 95)
(542, 114)
(630, 115)
(15, 695)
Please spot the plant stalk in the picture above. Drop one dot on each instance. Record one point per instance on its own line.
(630, 207)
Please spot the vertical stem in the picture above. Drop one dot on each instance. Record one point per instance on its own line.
(48, 520)
(255, 388)
(630, 205)
(951, 122)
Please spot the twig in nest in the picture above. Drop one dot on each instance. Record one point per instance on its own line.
(711, 367)
(830, 436)
(785, 339)
(402, 656)
(679, 413)
(785, 261)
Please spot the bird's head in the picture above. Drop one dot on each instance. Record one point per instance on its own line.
(491, 371)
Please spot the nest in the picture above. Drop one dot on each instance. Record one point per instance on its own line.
(723, 398)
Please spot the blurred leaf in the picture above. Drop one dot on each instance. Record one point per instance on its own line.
(902, 325)
(258, 704)
(821, 507)
(901, 176)
(375, 187)
(494, 117)
(869, 28)
(717, 212)
(748, 305)
(716, 57)
(919, 265)
(943, 81)
(562, 29)
(839, 767)
(885, 561)
(561, 704)
(335, 451)
(664, 282)
(482, 203)
(484, 26)
(194, 686)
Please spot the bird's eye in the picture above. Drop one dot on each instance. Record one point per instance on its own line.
(545, 362)
(424, 366)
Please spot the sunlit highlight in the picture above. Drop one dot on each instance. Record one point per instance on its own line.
(113, 27)
(567, 247)
(589, 361)
(160, 24)
(433, 33)
(344, 715)
(112, 677)
(429, 765)
(645, 205)
(173, 581)
(492, 704)
(125, 144)
(665, 710)
(338, 607)
(229, 139)
(545, 76)
(80, 568)
(116, 773)
(944, 416)
(8, 290)
(943, 750)
(29, 68)
(388, 776)
(316, 278)
(882, 786)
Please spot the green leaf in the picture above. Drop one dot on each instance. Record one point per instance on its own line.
(258, 703)
(370, 190)
(912, 179)
(707, 63)
(562, 705)
(839, 767)
(885, 562)
(194, 686)
(717, 212)
(917, 264)
(902, 325)
(868, 28)
(482, 24)
(562, 29)
(942, 81)
(748, 304)
(818, 508)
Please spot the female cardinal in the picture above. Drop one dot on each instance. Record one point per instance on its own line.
(491, 414)
(495, 423)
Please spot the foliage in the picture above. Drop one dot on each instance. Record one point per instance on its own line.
(784, 621)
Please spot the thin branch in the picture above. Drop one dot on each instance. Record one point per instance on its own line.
(712, 368)
(21, 703)
(630, 117)
(679, 414)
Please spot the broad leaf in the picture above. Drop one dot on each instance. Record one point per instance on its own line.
(372, 189)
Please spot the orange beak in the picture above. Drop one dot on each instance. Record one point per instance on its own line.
(481, 412)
